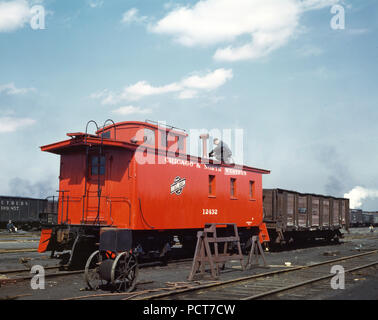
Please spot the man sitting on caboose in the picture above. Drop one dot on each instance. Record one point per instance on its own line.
(221, 152)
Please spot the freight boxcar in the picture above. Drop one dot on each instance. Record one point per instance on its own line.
(367, 219)
(356, 219)
(292, 216)
(49, 215)
(25, 213)
(376, 219)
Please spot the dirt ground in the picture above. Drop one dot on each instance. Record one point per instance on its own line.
(361, 285)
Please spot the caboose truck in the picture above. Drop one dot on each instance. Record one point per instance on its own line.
(134, 182)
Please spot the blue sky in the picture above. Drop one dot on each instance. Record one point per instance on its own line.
(304, 94)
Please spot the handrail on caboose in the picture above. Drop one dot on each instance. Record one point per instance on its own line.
(115, 129)
(86, 128)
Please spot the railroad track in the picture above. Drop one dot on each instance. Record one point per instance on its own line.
(20, 271)
(19, 236)
(246, 288)
(20, 278)
(24, 239)
(18, 250)
(24, 274)
(267, 284)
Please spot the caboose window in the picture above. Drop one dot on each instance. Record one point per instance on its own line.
(149, 136)
(211, 185)
(171, 139)
(176, 142)
(98, 165)
(233, 187)
(180, 143)
(163, 139)
(106, 135)
(251, 189)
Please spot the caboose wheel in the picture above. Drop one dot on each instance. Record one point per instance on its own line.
(124, 272)
(92, 276)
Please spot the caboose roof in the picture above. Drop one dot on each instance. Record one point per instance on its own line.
(80, 140)
(144, 125)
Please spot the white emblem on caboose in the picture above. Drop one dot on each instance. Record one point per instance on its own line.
(178, 185)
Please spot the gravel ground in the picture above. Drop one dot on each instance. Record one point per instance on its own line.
(363, 285)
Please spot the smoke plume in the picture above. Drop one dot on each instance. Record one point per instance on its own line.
(358, 194)
(339, 178)
(40, 189)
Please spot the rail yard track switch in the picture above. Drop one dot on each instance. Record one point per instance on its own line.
(255, 253)
(226, 237)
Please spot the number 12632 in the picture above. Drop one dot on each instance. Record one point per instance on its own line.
(209, 211)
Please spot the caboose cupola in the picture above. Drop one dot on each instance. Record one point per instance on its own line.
(149, 133)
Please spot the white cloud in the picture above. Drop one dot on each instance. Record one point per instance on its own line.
(187, 88)
(95, 3)
(187, 94)
(263, 43)
(11, 124)
(269, 23)
(11, 89)
(14, 15)
(99, 95)
(210, 81)
(358, 194)
(126, 110)
(317, 4)
(132, 16)
(142, 88)
(107, 96)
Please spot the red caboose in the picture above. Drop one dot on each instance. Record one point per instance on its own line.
(138, 177)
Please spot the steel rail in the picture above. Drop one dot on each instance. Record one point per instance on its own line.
(19, 235)
(47, 275)
(261, 275)
(300, 284)
(18, 250)
(63, 273)
(20, 240)
(26, 270)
